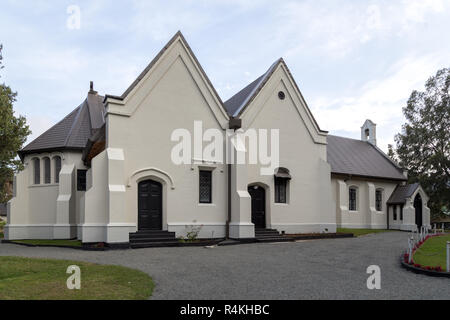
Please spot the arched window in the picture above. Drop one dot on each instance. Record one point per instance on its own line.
(37, 170)
(352, 199)
(379, 200)
(47, 173)
(57, 163)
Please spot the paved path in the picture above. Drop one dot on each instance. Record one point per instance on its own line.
(321, 269)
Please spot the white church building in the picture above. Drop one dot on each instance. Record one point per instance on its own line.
(105, 173)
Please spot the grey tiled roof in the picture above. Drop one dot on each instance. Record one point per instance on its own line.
(360, 158)
(73, 131)
(233, 104)
(401, 193)
(237, 103)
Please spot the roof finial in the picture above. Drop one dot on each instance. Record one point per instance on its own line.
(92, 88)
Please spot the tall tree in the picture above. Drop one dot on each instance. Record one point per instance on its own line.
(423, 146)
(391, 152)
(13, 134)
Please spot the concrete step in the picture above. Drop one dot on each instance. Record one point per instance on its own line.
(267, 233)
(153, 244)
(161, 239)
(274, 239)
(152, 234)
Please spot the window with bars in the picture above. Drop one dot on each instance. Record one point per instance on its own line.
(352, 199)
(281, 190)
(57, 161)
(379, 200)
(205, 186)
(47, 173)
(81, 180)
(395, 213)
(37, 170)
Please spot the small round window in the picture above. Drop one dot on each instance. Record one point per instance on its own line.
(281, 95)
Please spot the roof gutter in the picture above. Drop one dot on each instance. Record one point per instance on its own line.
(365, 177)
(23, 153)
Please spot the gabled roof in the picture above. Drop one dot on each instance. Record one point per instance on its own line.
(155, 60)
(401, 193)
(237, 104)
(360, 158)
(73, 131)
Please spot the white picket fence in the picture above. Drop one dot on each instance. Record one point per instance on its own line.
(420, 235)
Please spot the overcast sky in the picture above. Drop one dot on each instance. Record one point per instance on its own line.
(352, 60)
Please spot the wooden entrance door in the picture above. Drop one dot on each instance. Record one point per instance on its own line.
(258, 195)
(150, 205)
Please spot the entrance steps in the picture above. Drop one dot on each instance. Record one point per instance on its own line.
(270, 235)
(152, 238)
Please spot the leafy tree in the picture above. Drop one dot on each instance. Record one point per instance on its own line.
(423, 146)
(13, 134)
(391, 152)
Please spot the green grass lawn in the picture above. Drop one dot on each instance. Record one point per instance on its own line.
(361, 232)
(433, 252)
(69, 243)
(44, 279)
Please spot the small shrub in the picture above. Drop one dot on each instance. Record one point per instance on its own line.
(191, 234)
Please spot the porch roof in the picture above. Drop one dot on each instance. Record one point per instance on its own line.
(401, 193)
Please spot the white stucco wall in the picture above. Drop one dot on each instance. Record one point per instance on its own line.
(172, 96)
(93, 223)
(302, 152)
(33, 211)
(408, 223)
(366, 216)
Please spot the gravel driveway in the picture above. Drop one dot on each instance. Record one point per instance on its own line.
(320, 269)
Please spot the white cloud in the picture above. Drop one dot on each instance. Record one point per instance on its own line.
(380, 100)
(336, 29)
(161, 20)
(415, 10)
(236, 40)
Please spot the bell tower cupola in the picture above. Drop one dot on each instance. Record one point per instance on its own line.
(369, 132)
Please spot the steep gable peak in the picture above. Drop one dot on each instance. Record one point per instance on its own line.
(238, 103)
(176, 38)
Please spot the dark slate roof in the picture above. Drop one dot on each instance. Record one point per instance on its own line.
(73, 131)
(401, 193)
(237, 103)
(360, 158)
